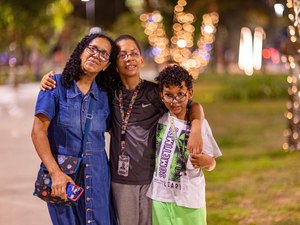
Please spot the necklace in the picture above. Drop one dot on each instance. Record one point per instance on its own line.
(125, 117)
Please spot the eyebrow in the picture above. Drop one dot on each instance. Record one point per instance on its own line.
(181, 88)
(131, 50)
(100, 49)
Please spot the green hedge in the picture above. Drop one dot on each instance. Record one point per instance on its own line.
(244, 88)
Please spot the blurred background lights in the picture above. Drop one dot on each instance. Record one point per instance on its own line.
(257, 47)
(245, 51)
(156, 51)
(291, 60)
(279, 9)
(208, 29)
(250, 52)
(180, 47)
(207, 47)
(181, 43)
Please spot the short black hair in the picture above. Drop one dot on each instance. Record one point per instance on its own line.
(174, 75)
(128, 37)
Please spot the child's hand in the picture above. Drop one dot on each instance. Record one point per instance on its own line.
(47, 83)
(202, 161)
(196, 160)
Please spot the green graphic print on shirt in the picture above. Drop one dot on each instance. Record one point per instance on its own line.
(164, 152)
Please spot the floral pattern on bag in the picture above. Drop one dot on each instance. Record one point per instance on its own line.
(69, 165)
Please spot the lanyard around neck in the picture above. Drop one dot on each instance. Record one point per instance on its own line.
(125, 117)
(184, 144)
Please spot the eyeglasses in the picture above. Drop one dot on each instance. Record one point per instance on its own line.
(124, 56)
(93, 50)
(170, 98)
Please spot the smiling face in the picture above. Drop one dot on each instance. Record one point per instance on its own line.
(176, 98)
(91, 61)
(129, 59)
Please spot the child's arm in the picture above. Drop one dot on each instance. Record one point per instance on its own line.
(196, 114)
(47, 83)
(203, 161)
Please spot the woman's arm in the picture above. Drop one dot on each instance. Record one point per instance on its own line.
(41, 143)
(47, 83)
(196, 114)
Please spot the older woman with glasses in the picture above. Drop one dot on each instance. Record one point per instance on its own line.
(58, 128)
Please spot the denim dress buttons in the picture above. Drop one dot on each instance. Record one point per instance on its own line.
(67, 109)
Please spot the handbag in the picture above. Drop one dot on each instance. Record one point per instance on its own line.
(70, 165)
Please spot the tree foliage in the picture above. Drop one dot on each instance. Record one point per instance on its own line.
(21, 20)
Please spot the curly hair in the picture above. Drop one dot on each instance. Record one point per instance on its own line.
(73, 71)
(174, 75)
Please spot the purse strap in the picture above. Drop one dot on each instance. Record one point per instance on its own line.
(88, 121)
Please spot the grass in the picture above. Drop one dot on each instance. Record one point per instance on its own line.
(255, 181)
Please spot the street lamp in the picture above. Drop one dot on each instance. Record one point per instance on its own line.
(90, 10)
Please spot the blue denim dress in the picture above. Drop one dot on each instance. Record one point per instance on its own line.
(67, 110)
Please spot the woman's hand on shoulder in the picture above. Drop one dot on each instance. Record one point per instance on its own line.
(47, 83)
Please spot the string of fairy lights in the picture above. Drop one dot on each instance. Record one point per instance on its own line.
(180, 47)
(292, 133)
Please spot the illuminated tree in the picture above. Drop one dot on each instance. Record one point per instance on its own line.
(290, 48)
(180, 47)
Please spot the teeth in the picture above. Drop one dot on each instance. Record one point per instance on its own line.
(131, 66)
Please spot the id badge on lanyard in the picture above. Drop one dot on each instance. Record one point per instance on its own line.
(123, 165)
(184, 183)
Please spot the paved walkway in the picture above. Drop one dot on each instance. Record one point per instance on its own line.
(19, 162)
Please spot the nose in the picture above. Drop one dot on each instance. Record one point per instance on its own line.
(172, 103)
(174, 99)
(96, 54)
